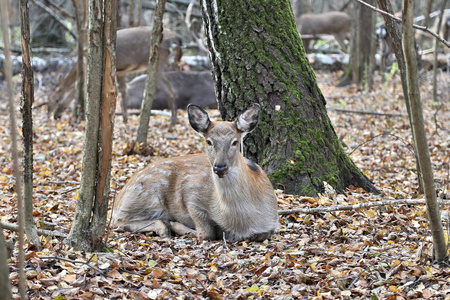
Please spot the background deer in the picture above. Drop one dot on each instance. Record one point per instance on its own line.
(191, 87)
(132, 54)
(335, 23)
(219, 194)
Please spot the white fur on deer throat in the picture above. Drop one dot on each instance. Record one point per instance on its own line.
(234, 207)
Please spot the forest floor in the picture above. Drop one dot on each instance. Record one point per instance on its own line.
(380, 252)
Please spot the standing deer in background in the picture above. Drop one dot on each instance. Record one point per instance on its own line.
(218, 195)
(335, 23)
(132, 55)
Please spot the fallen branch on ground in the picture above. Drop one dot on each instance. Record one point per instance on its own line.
(14, 227)
(361, 112)
(357, 206)
(77, 262)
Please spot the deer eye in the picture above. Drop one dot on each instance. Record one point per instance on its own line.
(234, 143)
(208, 142)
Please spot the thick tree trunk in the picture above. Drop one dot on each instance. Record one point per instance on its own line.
(434, 215)
(152, 73)
(257, 56)
(90, 215)
(27, 121)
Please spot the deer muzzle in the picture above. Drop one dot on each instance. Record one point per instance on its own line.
(220, 170)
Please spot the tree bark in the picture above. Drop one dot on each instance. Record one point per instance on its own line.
(131, 10)
(363, 60)
(27, 123)
(434, 216)
(107, 111)
(90, 215)
(426, 22)
(152, 73)
(257, 56)
(435, 46)
(5, 286)
(80, 94)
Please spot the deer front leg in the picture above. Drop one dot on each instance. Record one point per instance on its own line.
(204, 226)
(123, 93)
(156, 226)
(181, 229)
(340, 38)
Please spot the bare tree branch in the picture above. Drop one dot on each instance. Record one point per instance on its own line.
(55, 16)
(423, 28)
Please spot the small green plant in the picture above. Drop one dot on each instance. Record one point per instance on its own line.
(393, 70)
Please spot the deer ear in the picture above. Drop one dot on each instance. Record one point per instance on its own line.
(247, 120)
(198, 118)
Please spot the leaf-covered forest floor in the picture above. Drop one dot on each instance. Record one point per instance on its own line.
(383, 252)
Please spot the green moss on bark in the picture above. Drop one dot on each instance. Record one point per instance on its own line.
(261, 59)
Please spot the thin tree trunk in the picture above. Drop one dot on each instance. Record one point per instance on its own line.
(437, 232)
(256, 56)
(131, 10)
(363, 61)
(80, 20)
(436, 44)
(89, 220)
(152, 73)
(429, 8)
(27, 121)
(395, 35)
(138, 13)
(15, 151)
(5, 286)
(107, 111)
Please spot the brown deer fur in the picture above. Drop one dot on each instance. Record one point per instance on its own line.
(219, 194)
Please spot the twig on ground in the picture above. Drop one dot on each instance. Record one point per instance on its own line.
(408, 145)
(361, 112)
(357, 206)
(76, 262)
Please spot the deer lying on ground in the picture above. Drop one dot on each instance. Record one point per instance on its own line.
(132, 55)
(216, 195)
(190, 86)
(335, 23)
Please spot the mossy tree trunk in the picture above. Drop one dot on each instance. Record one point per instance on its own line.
(257, 57)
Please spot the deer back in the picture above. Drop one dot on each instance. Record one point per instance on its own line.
(326, 23)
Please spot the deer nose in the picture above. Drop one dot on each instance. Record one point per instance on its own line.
(221, 170)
